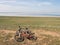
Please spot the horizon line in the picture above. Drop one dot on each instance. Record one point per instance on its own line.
(28, 16)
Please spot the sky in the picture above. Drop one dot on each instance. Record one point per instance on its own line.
(30, 7)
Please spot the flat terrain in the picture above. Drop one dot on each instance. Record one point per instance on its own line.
(47, 29)
(44, 38)
(12, 23)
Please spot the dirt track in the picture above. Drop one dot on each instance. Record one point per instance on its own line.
(51, 33)
(37, 32)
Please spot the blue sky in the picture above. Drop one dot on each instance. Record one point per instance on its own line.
(31, 7)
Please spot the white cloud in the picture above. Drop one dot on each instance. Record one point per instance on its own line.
(4, 7)
(9, 8)
(45, 4)
(7, 1)
(27, 10)
(28, 7)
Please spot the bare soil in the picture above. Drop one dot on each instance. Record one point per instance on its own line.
(42, 40)
(37, 32)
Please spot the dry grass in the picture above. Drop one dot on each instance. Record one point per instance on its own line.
(43, 39)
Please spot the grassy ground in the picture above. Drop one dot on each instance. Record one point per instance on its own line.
(36, 23)
(48, 23)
